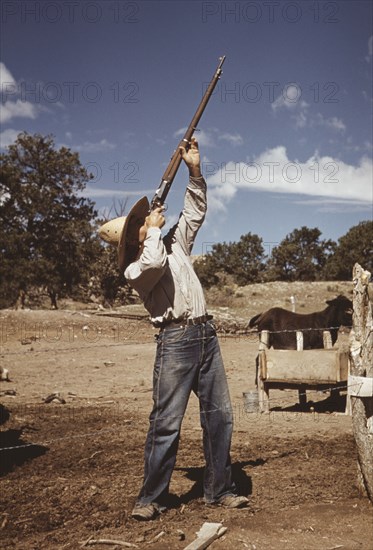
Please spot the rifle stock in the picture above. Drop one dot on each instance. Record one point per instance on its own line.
(173, 166)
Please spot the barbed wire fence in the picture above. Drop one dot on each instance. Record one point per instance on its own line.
(238, 410)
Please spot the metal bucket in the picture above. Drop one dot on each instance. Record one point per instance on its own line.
(251, 401)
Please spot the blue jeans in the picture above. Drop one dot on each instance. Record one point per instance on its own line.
(188, 359)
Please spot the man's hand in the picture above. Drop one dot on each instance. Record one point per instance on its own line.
(156, 218)
(192, 158)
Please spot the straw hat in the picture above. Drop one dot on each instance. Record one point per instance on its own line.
(124, 232)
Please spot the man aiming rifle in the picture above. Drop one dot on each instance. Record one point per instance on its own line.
(188, 356)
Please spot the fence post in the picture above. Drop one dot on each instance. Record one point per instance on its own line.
(361, 354)
(327, 339)
(262, 373)
(302, 392)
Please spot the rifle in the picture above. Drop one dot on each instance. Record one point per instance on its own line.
(173, 166)
(124, 231)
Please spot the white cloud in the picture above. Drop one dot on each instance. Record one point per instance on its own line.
(92, 147)
(95, 193)
(300, 119)
(160, 141)
(205, 139)
(365, 147)
(334, 205)
(233, 139)
(367, 97)
(289, 99)
(274, 172)
(368, 58)
(211, 137)
(6, 79)
(304, 119)
(7, 137)
(12, 109)
(334, 122)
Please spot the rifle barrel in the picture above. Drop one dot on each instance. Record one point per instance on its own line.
(173, 166)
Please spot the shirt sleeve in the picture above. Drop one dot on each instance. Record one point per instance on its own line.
(144, 273)
(192, 215)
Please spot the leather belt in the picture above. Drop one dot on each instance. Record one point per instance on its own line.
(185, 322)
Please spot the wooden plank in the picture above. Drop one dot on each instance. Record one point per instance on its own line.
(315, 386)
(206, 535)
(344, 365)
(360, 386)
(307, 366)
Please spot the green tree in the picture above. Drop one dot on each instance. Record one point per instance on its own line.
(355, 246)
(301, 256)
(107, 284)
(244, 260)
(206, 269)
(46, 235)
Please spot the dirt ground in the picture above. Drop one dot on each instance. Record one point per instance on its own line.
(71, 468)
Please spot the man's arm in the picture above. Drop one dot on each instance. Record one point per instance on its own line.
(192, 158)
(195, 204)
(145, 272)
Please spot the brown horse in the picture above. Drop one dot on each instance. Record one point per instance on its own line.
(283, 324)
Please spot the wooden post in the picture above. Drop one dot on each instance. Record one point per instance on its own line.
(361, 353)
(262, 387)
(299, 337)
(302, 392)
(328, 344)
(264, 337)
(327, 339)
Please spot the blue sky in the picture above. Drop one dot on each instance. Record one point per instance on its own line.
(286, 139)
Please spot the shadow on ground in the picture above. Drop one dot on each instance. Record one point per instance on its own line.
(14, 451)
